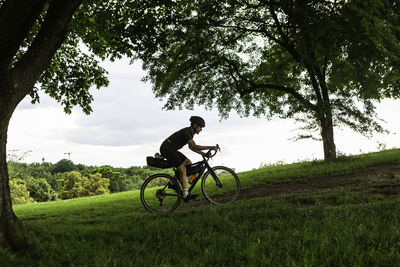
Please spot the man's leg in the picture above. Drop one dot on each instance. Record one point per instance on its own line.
(182, 174)
(184, 182)
(176, 158)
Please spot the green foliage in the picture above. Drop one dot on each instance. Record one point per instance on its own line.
(96, 185)
(73, 185)
(40, 190)
(158, 182)
(98, 30)
(46, 180)
(70, 76)
(136, 175)
(42, 170)
(116, 179)
(56, 181)
(77, 185)
(19, 193)
(63, 165)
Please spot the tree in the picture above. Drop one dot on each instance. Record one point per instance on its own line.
(41, 48)
(19, 193)
(39, 189)
(77, 185)
(96, 185)
(73, 185)
(323, 63)
(116, 179)
(63, 165)
(19, 71)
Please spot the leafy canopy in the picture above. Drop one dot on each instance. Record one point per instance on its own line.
(269, 58)
(97, 31)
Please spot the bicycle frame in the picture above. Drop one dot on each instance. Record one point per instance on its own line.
(200, 173)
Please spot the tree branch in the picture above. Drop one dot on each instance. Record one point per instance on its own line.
(49, 38)
(16, 20)
(258, 87)
(278, 24)
(324, 89)
(285, 40)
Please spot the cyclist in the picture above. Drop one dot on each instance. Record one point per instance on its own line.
(169, 150)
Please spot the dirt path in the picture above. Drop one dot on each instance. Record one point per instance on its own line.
(382, 179)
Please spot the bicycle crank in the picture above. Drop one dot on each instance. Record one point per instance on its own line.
(160, 194)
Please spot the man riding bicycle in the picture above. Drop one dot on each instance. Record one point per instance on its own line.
(169, 150)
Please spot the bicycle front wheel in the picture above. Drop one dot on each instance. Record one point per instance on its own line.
(220, 185)
(160, 193)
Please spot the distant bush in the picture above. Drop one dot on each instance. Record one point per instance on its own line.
(19, 193)
(77, 185)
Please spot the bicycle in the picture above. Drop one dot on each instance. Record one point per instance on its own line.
(162, 193)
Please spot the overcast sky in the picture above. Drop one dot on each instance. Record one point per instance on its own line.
(128, 123)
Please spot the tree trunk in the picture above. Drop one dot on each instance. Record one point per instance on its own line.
(328, 139)
(17, 82)
(11, 230)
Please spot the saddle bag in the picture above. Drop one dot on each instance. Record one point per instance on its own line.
(157, 162)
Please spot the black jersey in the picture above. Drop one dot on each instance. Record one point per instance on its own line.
(177, 140)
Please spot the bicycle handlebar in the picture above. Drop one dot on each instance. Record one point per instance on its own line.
(209, 155)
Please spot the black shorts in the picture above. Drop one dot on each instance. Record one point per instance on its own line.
(175, 158)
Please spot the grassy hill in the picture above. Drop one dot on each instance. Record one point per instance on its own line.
(310, 213)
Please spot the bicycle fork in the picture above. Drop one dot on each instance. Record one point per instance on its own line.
(217, 181)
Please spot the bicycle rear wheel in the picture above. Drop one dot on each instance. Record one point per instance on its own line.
(160, 193)
(220, 185)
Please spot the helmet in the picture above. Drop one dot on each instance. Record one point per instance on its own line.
(198, 120)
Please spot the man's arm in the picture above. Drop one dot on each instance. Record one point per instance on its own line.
(198, 149)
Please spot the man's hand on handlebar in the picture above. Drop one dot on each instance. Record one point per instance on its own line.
(209, 154)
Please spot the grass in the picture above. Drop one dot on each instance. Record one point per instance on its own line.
(302, 170)
(336, 227)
